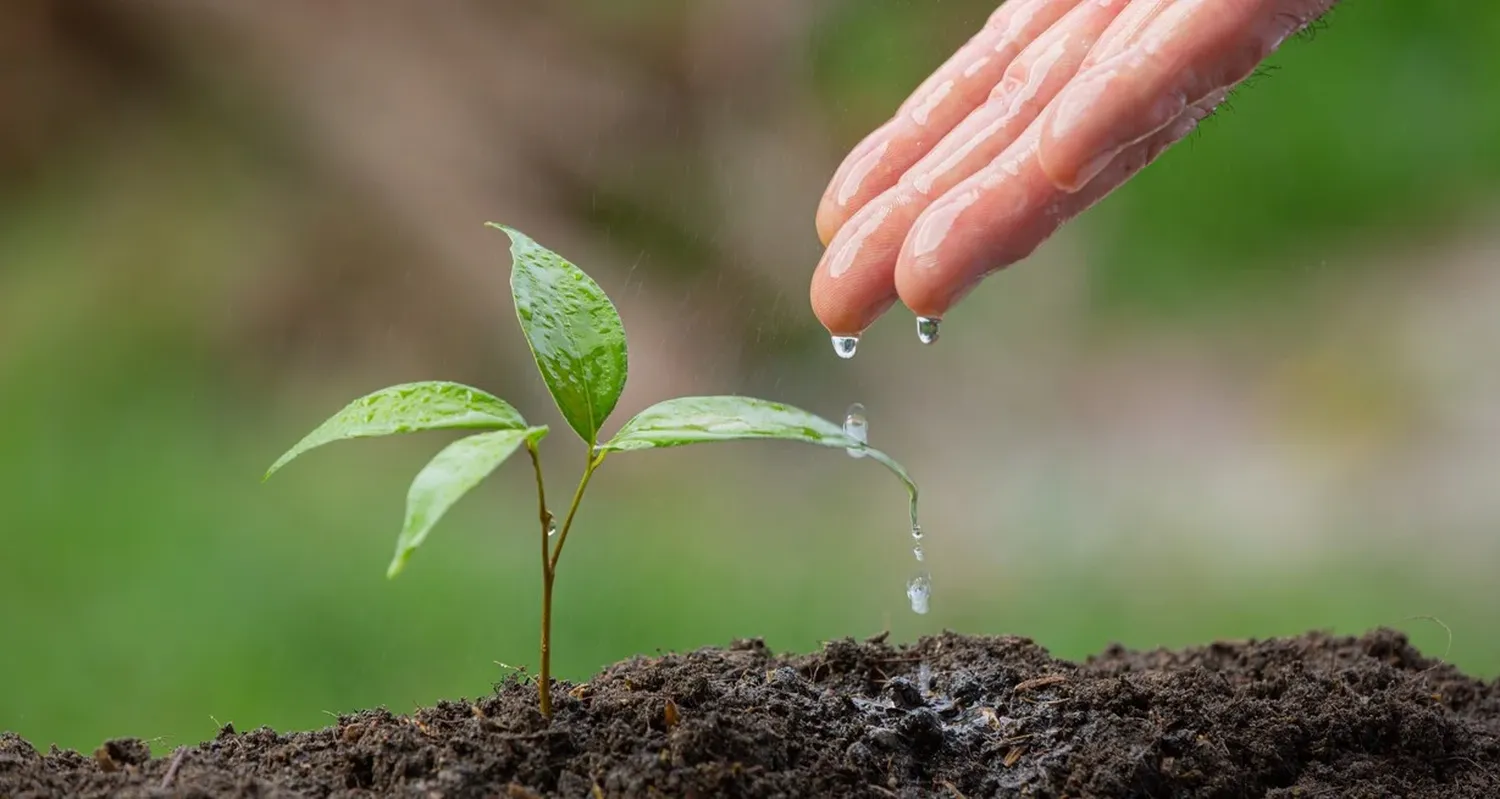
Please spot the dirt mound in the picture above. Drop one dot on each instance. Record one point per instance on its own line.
(952, 715)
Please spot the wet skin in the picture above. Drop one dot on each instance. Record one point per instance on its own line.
(1050, 107)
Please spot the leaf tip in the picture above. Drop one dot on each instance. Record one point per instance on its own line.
(398, 563)
(276, 467)
(516, 236)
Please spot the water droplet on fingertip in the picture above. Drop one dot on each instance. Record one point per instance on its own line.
(857, 427)
(845, 346)
(927, 329)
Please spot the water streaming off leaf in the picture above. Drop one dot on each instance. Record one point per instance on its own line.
(919, 587)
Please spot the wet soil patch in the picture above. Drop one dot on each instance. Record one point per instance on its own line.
(950, 716)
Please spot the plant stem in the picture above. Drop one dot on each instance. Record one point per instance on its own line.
(562, 533)
(544, 687)
(549, 567)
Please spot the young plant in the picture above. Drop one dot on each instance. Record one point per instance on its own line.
(578, 341)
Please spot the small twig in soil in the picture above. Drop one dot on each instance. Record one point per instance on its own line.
(1039, 682)
(1013, 756)
(166, 782)
(954, 788)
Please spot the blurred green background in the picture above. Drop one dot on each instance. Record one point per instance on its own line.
(1257, 391)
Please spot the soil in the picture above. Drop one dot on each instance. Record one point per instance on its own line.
(949, 716)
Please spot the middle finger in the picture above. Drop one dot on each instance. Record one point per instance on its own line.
(854, 282)
(941, 102)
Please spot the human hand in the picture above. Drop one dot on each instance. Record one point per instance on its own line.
(1049, 108)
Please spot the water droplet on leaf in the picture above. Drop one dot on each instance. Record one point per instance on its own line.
(857, 427)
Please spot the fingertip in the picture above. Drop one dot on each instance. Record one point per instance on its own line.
(828, 222)
(993, 219)
(925, 276)
(842, 314)
(852, 284)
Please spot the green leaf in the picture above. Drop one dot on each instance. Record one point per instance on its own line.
(447, 477)
(409, 408)
(693, 420)
(574, 331)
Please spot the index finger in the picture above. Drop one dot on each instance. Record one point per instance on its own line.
(951, 93)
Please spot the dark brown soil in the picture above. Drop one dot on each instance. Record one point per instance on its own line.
(951, 716)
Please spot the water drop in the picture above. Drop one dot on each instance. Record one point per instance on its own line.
(551, 526)
(919, 590)
(857, 427)
(845, 346)
(927, 329)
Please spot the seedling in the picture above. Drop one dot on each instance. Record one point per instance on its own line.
(578, 341)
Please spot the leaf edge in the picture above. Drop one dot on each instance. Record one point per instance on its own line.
(302, 447)
(405, 548)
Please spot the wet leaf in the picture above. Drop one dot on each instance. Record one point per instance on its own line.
(447, 477)
(694, 420)
(409, 408)
(574, 331)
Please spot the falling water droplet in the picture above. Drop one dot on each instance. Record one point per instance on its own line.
(919, 587)
(927, 329)
(857, 427)
(919, 590)
(845, 346)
